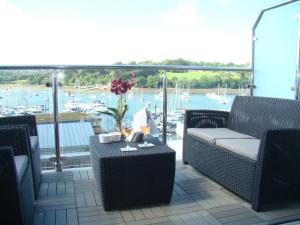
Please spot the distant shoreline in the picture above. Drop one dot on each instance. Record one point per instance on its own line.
(134, 90)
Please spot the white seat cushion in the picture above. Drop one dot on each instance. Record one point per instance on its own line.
(245, 147)
(33, 142)
(21, 162)
(212, 134)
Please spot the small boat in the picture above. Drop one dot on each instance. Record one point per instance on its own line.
(35, 109)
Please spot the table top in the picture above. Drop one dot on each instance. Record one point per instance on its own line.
(113, 149)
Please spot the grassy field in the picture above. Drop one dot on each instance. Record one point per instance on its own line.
(189, 75)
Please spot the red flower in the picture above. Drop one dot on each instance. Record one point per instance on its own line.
(121, 87)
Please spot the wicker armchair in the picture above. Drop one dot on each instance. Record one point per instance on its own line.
(16, 182)
(274, 175)
(29, 121)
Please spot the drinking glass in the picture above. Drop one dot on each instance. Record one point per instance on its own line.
(146, 128)
(127, 130)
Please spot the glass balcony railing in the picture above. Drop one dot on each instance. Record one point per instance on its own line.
(82, 94)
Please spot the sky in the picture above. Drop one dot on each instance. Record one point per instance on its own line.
(105, 32)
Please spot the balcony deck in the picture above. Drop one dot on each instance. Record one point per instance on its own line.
(70, 198)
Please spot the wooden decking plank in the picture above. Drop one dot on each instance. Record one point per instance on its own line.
(90, 174)
(148, 213)
(84, 185)
(149, 221)
(100, 212)
(223, 197)
(229, 219)
(39, 218)
(52, 188)
(61, 188)
(224, 208)
(231, 212)
(198, 187)
(69, 187)
(198, 218)
(158, 211)
(209, 218)
(180, 204)
(92, 218)
(80, 200)
(49, 217)
(207, 200)
(127, 215)
(72, 217)
(164, 223)
(179, 176)
(103, 222)
(176, 220)
(61, 217)
(57, 176)
(188, 219)
(88, 209)
(83, 175)
(184, 210)
(97, 198)
(76, 175)
(245, 221)
(138, 214)
(90, 199)
(179, 190)
(56, 202)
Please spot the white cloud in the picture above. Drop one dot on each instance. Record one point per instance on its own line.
(185, 14)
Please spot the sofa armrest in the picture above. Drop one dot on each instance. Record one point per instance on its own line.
(28, 120)
(10, 207)
(17, 138)
(205, 119)
(277, 168)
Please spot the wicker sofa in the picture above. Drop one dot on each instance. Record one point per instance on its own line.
(16, 179)
(28, 121)
(253, 150)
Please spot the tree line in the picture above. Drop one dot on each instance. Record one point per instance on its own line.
(148, 78)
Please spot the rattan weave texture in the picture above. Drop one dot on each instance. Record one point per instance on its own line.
(17, 197)
(28, 121)
(275, 175)
(131, 179)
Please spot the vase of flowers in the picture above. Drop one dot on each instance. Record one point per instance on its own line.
(119, 87)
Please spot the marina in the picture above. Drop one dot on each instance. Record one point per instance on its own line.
(23, 100)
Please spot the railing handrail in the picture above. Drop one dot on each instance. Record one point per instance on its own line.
(124, 66)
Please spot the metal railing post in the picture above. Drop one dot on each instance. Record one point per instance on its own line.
(165, 106)
(58, 162)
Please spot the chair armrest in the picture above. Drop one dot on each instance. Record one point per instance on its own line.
(205, 119)
(17, 138)
(7, 167)
(10, 206)
(277, 176)
(28, 120)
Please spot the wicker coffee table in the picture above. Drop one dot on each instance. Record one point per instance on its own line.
(130, 179)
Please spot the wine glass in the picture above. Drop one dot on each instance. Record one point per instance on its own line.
(127, 130)
(146, 128)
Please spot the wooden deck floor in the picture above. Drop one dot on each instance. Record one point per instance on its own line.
(70, 198)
